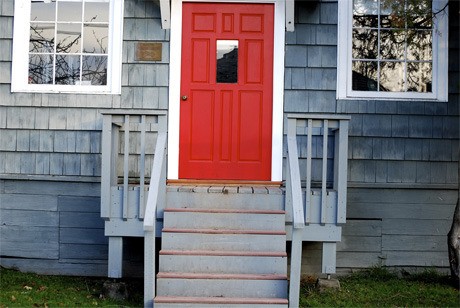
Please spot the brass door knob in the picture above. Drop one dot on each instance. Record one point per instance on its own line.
(184, 97)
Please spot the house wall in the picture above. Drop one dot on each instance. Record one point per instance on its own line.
(50, 156)
(403, 167)
(403, 155)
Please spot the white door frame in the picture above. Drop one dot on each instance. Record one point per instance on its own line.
(175, 79)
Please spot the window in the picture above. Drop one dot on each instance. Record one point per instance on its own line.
(67, 46)
(227, 61)
(392, 49)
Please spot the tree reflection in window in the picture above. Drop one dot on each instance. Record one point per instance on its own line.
(392, 45)
(68, 42)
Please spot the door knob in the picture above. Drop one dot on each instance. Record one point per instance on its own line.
(184, 97)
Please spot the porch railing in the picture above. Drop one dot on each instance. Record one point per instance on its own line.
(131, 140)
(157, 189)
(324, 177)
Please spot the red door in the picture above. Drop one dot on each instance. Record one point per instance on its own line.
(226, 91)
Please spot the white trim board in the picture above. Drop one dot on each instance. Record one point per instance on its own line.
(174, 85)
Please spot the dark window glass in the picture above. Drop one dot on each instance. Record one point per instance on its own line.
(227, 61)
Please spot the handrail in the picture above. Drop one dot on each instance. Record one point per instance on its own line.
(293, 179)
(294, 200)
(156, 189)
(155, 181)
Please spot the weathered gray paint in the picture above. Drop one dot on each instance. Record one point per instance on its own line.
(48, 137)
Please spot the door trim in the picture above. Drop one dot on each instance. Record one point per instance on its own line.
(175, 78)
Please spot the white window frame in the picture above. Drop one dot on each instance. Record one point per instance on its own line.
(20, 65)
(344, 56)
(175, 78)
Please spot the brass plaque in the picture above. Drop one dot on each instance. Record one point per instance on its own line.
(148, 51)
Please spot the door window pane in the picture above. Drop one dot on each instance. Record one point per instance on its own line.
(227, 61)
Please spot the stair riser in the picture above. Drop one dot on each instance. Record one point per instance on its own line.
(222, 288)
(235, 221)
(200, 305)
(224, 242)
(223, 264)
(224, 201)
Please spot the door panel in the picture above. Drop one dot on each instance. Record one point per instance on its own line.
(226, 116)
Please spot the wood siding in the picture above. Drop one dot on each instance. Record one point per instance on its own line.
(403, 155)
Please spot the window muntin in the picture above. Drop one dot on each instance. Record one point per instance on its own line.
(390, 51)
(393, 50)
(71, 46)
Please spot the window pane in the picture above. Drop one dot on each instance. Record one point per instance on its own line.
(392, 44)
(365, 44)
(67, 70)
(419, 13)
(392, 76)
(95, 38)
(68, 38)
(419, 77)
(365, 13)
(42, 11)
(96, 12)
(40, 69)
(94, 70)
(227, 61)
(364, 76)
(41, 37)
(69, 11)
(419, 45)
(392, 14)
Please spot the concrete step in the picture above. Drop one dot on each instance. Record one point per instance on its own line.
(215, 261)
(224, 198)
(220, 286)
(227, 302)
(223, 240)
(186, 218)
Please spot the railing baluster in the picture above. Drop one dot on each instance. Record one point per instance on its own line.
(340, 174)
(141, 205)
(308, 175)
(106, 176)
(126, 169)
(324, 173)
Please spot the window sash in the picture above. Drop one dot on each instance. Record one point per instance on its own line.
(344, 60)
(20, 66)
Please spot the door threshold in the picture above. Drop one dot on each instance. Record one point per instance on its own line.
(194, 182)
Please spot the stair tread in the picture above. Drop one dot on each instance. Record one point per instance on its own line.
(221, 276)
(224, 231)
(224, 253)
(219, 300)
(230, 211)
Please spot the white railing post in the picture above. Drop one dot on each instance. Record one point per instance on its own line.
(308, 173)
(106, 166)
(325, 129)
(125, 204)
(157, 180)
(340, 170)
(295, 193)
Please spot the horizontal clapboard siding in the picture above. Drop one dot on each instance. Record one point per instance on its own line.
(52, 227)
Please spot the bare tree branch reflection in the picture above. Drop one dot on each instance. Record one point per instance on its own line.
(46, 53)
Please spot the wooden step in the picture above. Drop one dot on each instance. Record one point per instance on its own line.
(221, 276)
(227, 302)
(186, 218)
(221, 200)
(222, 287)
(223, 240)
(186, 261)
